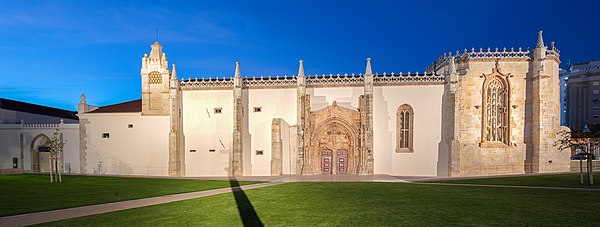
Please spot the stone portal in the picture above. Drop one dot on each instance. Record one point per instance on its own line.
(332, 144)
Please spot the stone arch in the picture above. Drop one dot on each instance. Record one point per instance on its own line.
(335, 134)
(37, 142)
(495, 111)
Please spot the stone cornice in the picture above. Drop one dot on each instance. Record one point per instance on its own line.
(313, 81)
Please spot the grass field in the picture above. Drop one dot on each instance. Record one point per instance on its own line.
(31, 193)
(366, 204)
(570, 180)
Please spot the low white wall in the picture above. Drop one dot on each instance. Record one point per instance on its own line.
(141, 150)
(12, 147)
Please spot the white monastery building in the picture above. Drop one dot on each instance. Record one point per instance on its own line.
(479, 112)
(24, 130)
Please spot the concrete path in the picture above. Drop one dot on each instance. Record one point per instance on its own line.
(55, 215)
(514, 186)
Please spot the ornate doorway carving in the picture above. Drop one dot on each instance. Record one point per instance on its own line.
(332, 144)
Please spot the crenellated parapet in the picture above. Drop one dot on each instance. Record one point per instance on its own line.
(481, 55)
(312, 81)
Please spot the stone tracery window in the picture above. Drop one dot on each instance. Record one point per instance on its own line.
(496, 102)
(155, 77)
(404, 129)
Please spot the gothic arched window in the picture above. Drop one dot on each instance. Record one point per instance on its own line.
(496, 102)
(404, 128)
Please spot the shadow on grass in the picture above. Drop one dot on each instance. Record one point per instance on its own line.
(245, 208)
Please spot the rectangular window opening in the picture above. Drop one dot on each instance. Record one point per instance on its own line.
(105, 135)
(130, 126)
(218, 110)
(259, 152)
(257, 109)
(193, 151)
(211, 150)
(596, 83)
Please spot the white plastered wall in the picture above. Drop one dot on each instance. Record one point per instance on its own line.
(141, 150)
(10, 144)
(274, 103)
(426, 102)
(206, 130)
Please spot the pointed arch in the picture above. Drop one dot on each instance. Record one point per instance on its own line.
(495, 108)
(404, 129)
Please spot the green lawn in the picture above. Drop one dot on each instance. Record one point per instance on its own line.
(31, 193)
(367, 204)
(570, 180)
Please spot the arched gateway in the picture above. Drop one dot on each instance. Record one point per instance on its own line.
(334, 144)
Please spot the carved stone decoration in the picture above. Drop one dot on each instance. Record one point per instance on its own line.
(495, 107)
(334, 132)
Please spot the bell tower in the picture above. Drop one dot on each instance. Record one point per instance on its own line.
(155, 82)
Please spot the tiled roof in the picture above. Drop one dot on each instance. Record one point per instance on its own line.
(134, 106)
(37, 109)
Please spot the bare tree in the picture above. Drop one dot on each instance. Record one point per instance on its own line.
(55, 146)
(578, 140)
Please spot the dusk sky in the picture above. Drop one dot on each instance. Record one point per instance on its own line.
(52, 51)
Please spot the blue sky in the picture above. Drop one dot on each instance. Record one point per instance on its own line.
(52, 51)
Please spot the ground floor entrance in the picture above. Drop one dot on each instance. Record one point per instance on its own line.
(334, 162)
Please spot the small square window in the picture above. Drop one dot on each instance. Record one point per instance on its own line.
(193, 151)
(105, 135)
(595, 83)
(257, 109)
(595, 91)
(218, 110)
(595, 108)
(129, 125)
(595, 101)
(259, 152)
(595, 116)
(211, 150)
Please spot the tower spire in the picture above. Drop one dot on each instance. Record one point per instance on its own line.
(368, 71)
(540, 41)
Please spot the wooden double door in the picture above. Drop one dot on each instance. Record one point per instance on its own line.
(334, 162)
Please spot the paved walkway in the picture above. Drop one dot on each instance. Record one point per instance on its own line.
(514, 186)
(55, 215)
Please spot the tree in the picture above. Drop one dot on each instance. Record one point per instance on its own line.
(55, 147)
(578, 140)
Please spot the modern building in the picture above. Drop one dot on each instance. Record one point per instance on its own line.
(564, 78)
(479, 112)
(25, 127)
(583, 95)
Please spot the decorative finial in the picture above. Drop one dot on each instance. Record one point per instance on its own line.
(174, 72)
(368, 71)
(451, 65)
(237, 70)
(82, 100)
(301, 69)
(540, 41)
(334, 103)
